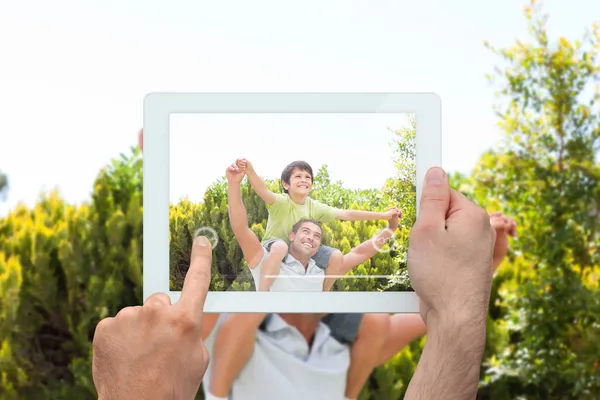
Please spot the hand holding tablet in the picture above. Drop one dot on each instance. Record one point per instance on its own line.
(441, 256)
(156, 350)
(455, 313)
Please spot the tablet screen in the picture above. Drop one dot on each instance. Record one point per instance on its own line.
(318, 195)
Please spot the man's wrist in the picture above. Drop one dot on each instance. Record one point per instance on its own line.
(383, 237)
(388, 233)
(467, 330)
(158, 391)
(452, 353)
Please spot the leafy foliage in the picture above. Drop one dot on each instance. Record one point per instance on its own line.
(62, 269)
(547, 176)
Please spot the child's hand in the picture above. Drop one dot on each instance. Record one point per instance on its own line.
(503, 224)
(244, 165)
(393, 212)
(234, 173)
(393, 222)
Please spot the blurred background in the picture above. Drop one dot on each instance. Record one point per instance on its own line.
(521, 127)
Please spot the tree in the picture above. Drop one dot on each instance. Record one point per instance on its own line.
(401, 189)
(62, 269)
(547, 176)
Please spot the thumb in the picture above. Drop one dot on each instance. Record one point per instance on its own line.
(435, 199)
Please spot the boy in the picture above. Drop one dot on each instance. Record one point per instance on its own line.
(365, 334)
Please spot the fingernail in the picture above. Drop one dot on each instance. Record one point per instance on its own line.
(202, 241)
(435, 176)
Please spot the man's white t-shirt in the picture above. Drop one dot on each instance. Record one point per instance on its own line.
(283, 366)
(293, 277)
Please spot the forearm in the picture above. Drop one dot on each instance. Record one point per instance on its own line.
(500, 250)
(496, 262)
(238, 218)
(360, 215)
(258, 185)
(449, 367)
(371, 247)
(365, 250)
(380, 240)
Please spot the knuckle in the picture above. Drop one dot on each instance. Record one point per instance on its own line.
(102, 326)
(153, 305)
(126, 313)
(433, 196)
(157, 299)
(183, 323)
(102, 340)
(480, 214)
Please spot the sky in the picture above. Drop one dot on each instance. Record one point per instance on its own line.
(74, 73)
(357, 148)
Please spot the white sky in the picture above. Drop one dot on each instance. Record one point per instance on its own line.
(356, 147)
(74, 73)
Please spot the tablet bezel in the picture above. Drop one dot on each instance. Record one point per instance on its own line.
(426, 107)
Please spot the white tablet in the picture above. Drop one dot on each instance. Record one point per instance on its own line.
(315, 173)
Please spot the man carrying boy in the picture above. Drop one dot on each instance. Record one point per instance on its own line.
(233, 346)
(285, 210)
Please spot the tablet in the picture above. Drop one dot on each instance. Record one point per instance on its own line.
(298, 192)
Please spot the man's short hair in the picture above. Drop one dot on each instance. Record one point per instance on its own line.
(298, 224)
(287, 172)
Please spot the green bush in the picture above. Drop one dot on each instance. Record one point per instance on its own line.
(62, 269)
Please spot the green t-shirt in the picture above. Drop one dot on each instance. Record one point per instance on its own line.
(284, 214)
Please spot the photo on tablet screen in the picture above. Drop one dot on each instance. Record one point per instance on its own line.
(316, 197)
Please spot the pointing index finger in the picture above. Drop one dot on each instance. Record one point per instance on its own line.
(197, 279)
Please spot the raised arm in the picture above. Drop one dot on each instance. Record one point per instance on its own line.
(238, 218)
(504, 227)
(256, 181)
(360, 215)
